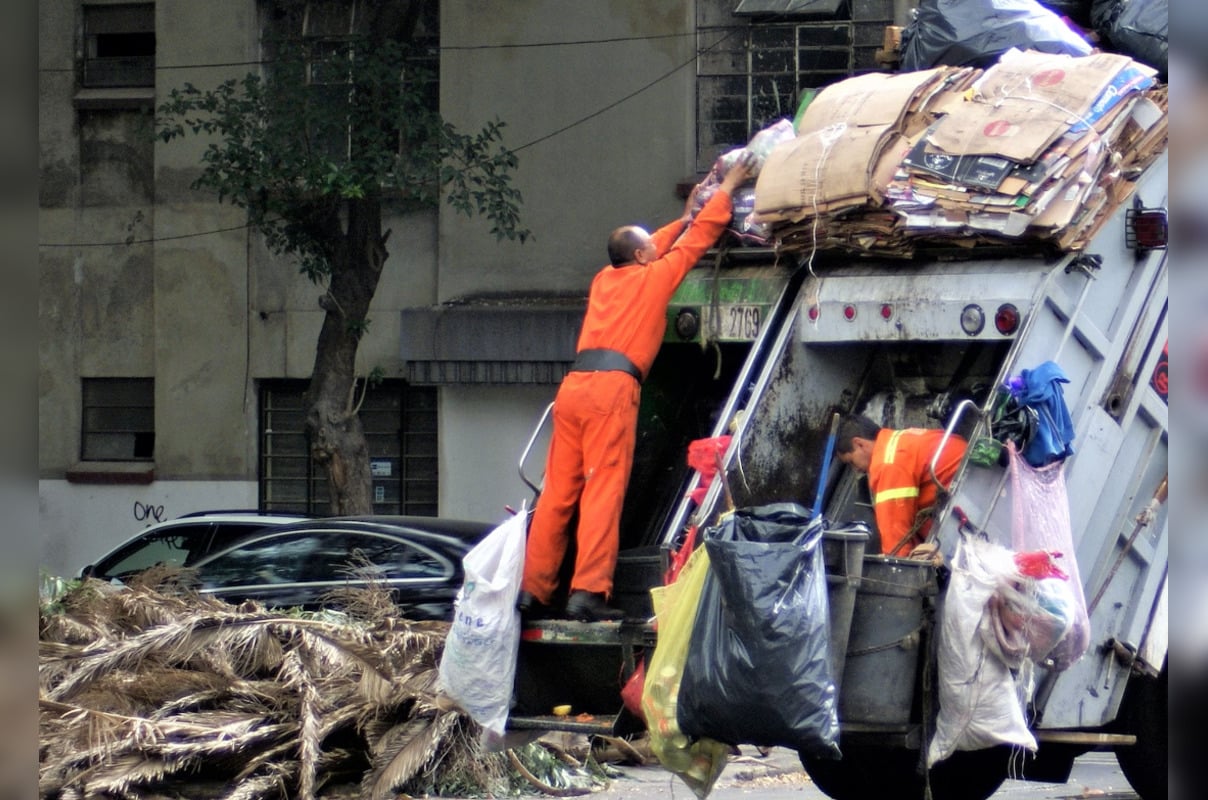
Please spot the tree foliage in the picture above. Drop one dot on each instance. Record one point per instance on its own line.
(328, 123)
(313, 147)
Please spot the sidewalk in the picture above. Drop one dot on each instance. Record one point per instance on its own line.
(749, 770)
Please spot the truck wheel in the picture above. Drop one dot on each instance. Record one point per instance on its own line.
(868, 771)
(1143, 712)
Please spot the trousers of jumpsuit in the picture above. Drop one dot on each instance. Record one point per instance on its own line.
(590, 458)
(596, 413)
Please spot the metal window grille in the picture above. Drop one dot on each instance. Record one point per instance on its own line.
(330, 29)
(118, 420)
(748, 80)
(400, 430)
(119, 45)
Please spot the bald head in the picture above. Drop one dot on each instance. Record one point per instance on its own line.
(624, 244)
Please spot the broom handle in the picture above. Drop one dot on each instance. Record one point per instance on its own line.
(826, 462)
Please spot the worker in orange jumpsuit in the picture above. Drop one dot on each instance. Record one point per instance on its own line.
(898, 463)
(596, 407)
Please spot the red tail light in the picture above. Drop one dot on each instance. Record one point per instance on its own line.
(1006, 319)
(1146, 228)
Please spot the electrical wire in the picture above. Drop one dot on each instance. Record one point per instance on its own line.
(524, 146)
(439, 48)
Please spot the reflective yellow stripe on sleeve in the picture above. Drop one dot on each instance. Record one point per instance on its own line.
(891, 447)
(896, 494)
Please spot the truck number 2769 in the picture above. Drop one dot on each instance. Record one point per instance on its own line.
(741, 322)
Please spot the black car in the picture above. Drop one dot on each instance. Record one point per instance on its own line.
(418, 559)
(182, 541)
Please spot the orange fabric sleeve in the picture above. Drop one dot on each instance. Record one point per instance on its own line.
(627, 306)
(665, 236)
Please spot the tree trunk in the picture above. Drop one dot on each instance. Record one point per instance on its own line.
(357, 254)
(337, 440)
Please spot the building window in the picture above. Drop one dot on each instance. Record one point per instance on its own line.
(329, 33)
(119, 45)
(748, 79)
(400, 429)
(118, 420)
(753, 71)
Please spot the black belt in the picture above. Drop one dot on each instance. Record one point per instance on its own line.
(602, 360)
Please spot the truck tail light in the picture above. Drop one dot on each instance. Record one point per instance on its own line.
(814, 312)
(1006, 319)
(973, 319)
(849, 312)
(1145, 228)
(886, 311)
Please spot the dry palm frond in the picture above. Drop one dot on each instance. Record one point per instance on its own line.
(203, 734)
(297, 670)
(67, 629)
(402, 752)
(147, 691)
(372, 605)
(259, 787)
(179, 641)
(119, 775)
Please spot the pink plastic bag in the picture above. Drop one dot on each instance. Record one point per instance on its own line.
(1040, 520)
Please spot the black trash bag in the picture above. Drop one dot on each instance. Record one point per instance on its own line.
(758, 668)
(976, 32)
(1136, 28)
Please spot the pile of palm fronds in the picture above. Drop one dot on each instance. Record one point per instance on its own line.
(153, 691)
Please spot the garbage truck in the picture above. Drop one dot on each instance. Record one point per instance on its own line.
(766, 348)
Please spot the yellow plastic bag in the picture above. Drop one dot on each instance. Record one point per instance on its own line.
(698, 762)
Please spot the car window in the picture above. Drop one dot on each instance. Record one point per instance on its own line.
(270, 559)
(227, 533)
(305, 556)
(179, 546)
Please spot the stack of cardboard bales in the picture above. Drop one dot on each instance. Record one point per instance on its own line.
(1037, 149)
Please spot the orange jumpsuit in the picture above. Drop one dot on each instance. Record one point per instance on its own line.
(899, 479)
(596, 413)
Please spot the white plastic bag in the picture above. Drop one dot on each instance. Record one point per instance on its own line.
(980, 702)
(478, 666)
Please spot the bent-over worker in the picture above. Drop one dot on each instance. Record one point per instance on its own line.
(596, 407)
(898, 464)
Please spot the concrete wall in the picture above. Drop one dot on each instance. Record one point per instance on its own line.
(619, 167)
(90, 520)
(208, 316)
(483, 431)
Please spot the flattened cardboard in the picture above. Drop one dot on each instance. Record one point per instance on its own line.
(824, 170)
(875, 98)
(1025, 102)
(1072, 84)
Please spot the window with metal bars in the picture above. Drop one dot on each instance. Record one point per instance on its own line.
(748, 78)
(400, 430)
(330, 33)
(118, 420)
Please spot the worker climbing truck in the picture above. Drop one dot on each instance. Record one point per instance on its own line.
(766, 346)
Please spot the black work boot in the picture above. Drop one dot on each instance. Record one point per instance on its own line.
(588, 607)
(531, 608)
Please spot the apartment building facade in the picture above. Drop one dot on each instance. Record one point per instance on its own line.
(174, 347)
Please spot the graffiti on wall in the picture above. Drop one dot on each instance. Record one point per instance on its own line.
(150, 514)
